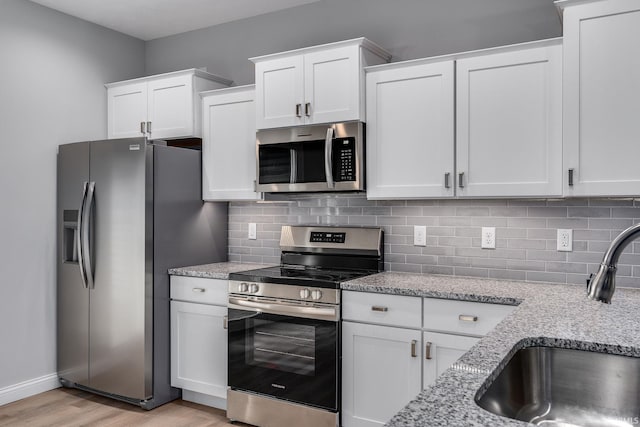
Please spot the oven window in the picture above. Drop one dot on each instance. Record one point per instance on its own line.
(284, 347)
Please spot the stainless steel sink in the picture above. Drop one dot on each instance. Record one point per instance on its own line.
(560, 387)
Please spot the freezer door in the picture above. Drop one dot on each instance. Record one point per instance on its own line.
(72, 295)
(120, 348)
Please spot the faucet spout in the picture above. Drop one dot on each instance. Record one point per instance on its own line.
(603, 284)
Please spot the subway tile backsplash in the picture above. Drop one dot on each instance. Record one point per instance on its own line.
(525, 233)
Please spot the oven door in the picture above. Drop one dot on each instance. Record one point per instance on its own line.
(284, 356)
(314, 158)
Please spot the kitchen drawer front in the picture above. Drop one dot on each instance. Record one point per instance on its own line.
(384, 309)
(465, 317)
(197, 289)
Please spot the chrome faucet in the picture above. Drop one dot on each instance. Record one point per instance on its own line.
(603, 284)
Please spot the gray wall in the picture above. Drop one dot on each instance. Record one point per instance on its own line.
(407, 28)
(51, 92)
(525, 234)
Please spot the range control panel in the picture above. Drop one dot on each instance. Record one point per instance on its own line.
(325, 237)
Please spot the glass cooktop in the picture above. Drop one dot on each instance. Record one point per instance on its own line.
(321, 278)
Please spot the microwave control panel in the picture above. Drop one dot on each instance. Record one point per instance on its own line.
(346, 159)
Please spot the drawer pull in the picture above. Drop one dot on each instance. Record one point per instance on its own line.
(379, 308)
(468, 318)
(198, 289)
(427, 351)
(414, 348)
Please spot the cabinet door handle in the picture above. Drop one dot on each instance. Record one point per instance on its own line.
(468, 318)
(307, 109)
(379, 308)
(414, 348)
(198, 289)
(149, 128)
(225, 322)
(461, 180)
(570, 177)
(298, 108)
(446, 180)
(143, 127)
(427, 351)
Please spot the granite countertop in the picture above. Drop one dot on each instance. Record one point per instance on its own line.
(218, 270)
(548, 314)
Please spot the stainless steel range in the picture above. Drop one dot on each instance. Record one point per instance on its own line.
(284, 326)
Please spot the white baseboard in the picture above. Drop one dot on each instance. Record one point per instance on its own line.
(28, 388)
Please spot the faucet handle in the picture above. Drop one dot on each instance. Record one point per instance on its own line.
(589, 279)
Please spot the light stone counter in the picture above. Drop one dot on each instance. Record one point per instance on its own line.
(548, 314)
(218, 270)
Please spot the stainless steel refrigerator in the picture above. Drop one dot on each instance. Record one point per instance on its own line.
(127, 211)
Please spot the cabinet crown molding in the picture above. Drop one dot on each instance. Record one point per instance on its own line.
(190, 71)
(227, 90)
(361, 41)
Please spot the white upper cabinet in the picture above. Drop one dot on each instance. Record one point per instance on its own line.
(410, 130)
(509, 123)
(163, 106)
(229, 144)
(601, 92)
(320, 84)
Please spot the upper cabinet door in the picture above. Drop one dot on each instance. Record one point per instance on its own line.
(127, 110)
(170, 111)
(509, 123)
(229, 145)
(410, 131)
(279, 92)
(602, 89)
(332, 85)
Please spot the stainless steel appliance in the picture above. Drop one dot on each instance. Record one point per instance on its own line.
(284, 326)
(311, 158)
(127, 211)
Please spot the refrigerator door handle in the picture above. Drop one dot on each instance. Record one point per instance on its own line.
(79, 239)
(86, 243)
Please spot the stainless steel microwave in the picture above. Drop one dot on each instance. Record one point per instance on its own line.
(311, 158)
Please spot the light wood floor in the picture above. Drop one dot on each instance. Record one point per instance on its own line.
(71, 407)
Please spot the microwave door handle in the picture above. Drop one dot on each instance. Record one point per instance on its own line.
(79, 236)
(328, 157)
(86, 243)
(293, 166)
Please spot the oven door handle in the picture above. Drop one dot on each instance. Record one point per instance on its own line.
(286, 309)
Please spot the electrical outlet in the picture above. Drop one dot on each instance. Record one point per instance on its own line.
(420, 235)
(565, 240)
(252, 234)
(488, 238)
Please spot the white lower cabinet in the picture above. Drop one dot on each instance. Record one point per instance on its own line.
(199, 339)
(394, 346)
(381, 372)
(440, 352)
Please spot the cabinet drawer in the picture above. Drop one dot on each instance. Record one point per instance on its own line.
(384, 309)
(464, 317)
(197, 289)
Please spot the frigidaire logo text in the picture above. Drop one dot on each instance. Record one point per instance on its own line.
(278, 386)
